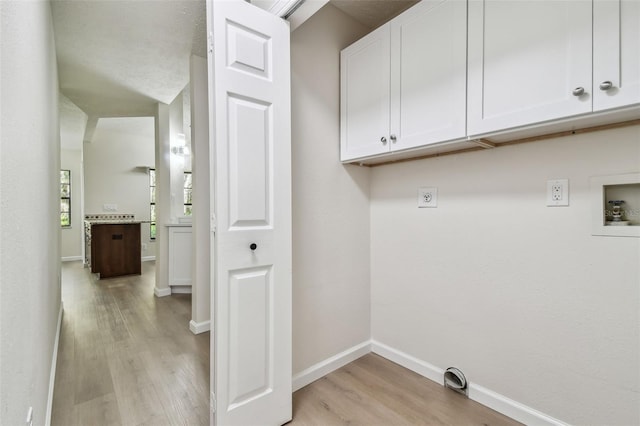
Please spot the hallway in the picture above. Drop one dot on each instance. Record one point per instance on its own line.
(126, 357)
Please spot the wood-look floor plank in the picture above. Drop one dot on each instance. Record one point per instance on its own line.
(104, 408)
(127, 357)
(375, 391)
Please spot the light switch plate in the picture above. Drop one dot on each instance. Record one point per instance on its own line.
(427, 197)
(110, 207)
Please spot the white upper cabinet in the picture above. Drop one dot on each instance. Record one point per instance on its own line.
(616, 53)
(364, 96)
(529, 62)
(428, 74)
(448, 75)
(404, 85)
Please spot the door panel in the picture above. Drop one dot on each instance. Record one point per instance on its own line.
(251, 172)
(248, 50)
(250, 321)
(250, 179)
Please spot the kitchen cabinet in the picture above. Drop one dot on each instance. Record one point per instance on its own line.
(537, 61)
(115, 249)
(404, 85)
(180, 255)
(616, 53)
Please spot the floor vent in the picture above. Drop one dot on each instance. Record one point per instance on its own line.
(455, 380)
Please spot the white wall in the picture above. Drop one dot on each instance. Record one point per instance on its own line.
(29, 210)
(330, 201)
(177, 162)
(111, 174)
(517, 295)
(169, 123)
(201, 264)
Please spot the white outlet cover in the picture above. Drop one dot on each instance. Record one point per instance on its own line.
(427, 197)
(559, 187)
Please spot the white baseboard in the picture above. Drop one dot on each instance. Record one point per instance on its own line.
(54, 363)
(181, 289)
(482, 395)
(70, 258)
(148, 258)
(325, 367)
(199, 327)
(423, 368)
(162, 292)
(511, 408)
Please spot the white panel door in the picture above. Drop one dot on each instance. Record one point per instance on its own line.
(251, 168)
(616, 53)
(526, 58)
(429, 74)
(364, 96)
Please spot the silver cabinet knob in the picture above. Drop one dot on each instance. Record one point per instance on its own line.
(393, 138)
(383, 139)
(578, 91)
(606, 85)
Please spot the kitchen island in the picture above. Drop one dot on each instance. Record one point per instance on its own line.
(112, 245)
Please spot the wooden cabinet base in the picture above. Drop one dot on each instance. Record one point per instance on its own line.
(115, 249)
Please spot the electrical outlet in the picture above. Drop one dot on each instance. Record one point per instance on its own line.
(110, 207)
(427, 197)
(558, 192)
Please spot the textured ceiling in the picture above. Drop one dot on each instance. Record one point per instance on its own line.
(120, 58)
(373, 13)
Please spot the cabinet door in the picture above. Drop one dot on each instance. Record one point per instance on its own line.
(364, 96)
(526, 58)
(180, 254)
(428, 74)
(616, 53)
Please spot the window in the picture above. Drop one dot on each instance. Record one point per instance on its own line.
(188, 193)
(187, 190)
(65, 198)
(152, 205)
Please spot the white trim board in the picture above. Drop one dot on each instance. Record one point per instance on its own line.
(325, 367)
(482, 395)
(162, 292)
(54, 363)
(70, 258)
(511, 408)
(423, 368)
(199, 327)
(148, 258)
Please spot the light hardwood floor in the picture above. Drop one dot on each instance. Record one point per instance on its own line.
(375, 391)
(128, 358)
